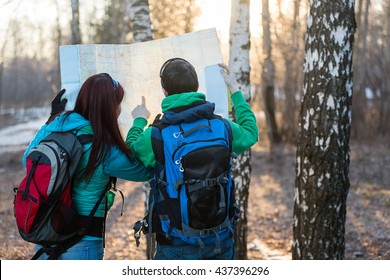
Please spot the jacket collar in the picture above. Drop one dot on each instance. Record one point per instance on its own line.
(190, 113)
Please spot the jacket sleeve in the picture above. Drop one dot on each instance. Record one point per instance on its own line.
(119, 165)
(244, 130)
(142, 147)
(136, 130)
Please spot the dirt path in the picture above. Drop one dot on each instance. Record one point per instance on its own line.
(269, 212)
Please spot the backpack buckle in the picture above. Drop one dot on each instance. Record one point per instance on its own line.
(206, 231)
(211, 182)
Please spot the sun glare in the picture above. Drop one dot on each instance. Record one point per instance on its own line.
(216, 13)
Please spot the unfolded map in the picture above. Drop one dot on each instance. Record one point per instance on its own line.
(136, 67)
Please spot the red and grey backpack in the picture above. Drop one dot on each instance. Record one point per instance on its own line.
(43, 200)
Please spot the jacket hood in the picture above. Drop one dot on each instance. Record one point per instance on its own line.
(67, 122)
(190, 106)
(182, 99)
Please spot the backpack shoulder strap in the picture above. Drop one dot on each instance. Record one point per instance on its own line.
(157, 140)
(229, 130)
(85, 138)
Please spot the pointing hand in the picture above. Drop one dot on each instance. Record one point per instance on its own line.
(140, 111)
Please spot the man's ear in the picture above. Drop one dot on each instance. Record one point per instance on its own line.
(165, 92)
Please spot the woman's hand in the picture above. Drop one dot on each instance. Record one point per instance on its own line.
(57, 105)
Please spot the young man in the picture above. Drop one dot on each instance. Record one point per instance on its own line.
(208, 233)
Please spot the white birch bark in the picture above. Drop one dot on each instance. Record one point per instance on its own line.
(140, 20)
(239, 64)
(322, 161)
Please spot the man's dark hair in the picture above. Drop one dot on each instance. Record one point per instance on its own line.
(178, 76)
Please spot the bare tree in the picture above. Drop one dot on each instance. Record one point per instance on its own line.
(58, 41)
(239, 64)
(114, 27)
(267, 77)
(16, 35)
(322, 161)
(359, 62)
(288, 41)
(3, 49)
(75, 23)
(2, 63)
(373, 110)
(384, 107)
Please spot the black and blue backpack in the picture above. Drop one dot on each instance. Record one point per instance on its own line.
(192, 191)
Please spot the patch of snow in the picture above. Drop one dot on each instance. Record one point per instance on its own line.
(17, 137)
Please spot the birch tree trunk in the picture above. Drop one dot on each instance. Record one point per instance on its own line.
(75, 23)
(239, 64)
(142, 31)
(140, 21)
(322, 160)
(267, 77)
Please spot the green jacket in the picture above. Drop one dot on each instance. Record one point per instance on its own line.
(245, 131)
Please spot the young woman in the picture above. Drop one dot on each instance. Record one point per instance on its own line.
(96, 111)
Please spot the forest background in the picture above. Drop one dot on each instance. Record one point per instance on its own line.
(31, 32)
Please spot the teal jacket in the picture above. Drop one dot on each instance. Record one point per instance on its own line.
(245, 130)
(116, 163)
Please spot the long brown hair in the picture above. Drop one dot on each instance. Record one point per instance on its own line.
(98, 101)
